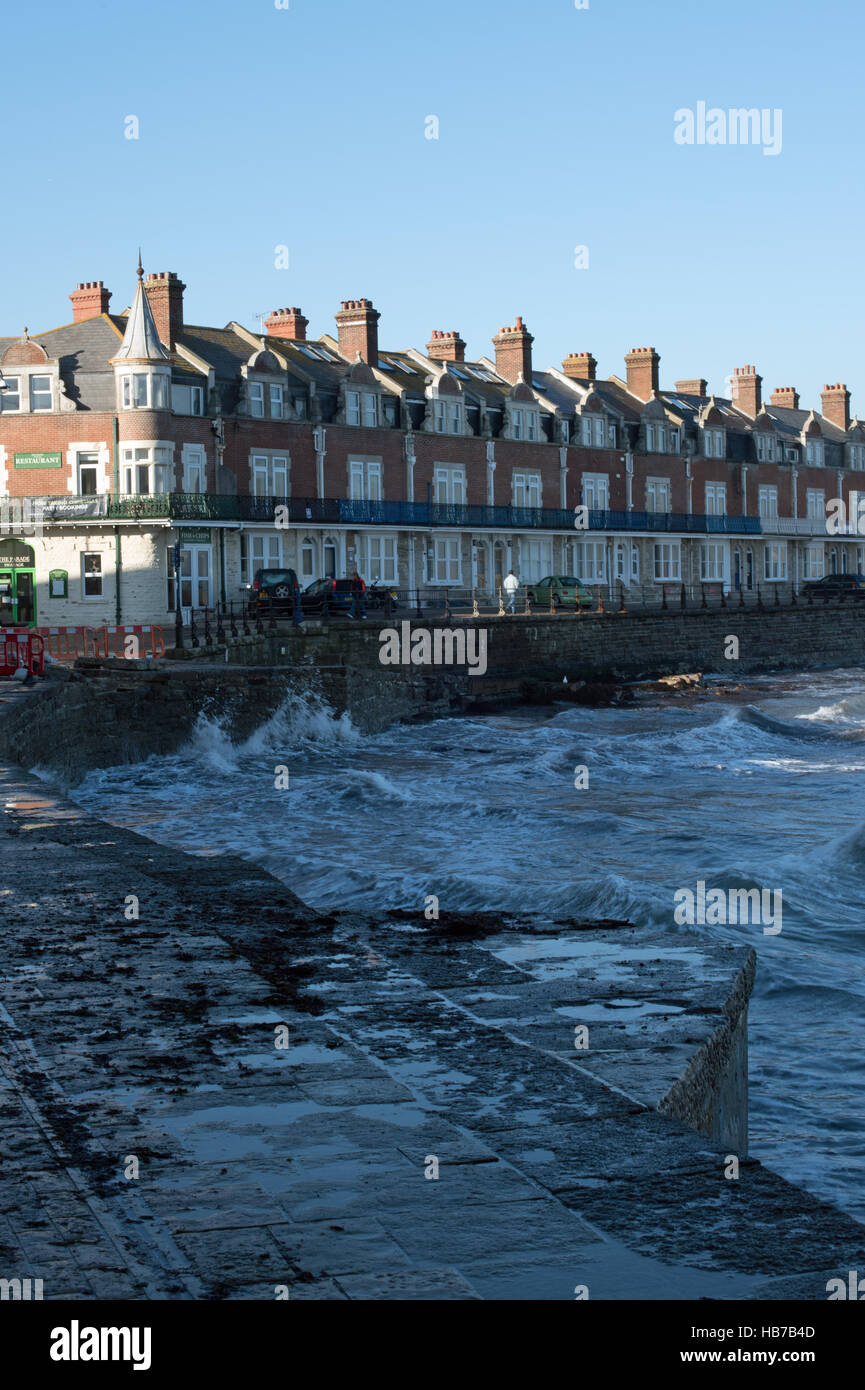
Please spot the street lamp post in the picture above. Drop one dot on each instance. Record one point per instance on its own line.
(177, 551)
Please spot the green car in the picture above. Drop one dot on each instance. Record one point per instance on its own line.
(567, 592)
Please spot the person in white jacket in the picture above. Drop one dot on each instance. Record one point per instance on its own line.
(511, 585)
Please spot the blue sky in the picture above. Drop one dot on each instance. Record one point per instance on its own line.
(305, 127)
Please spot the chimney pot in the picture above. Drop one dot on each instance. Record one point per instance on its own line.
(642, 366)
(514, 352)
(286, 323)
(89, 299)
(580, 366)
(165, 293)
(785, 396)
(358, 335)
(747, 391)
(835, 405)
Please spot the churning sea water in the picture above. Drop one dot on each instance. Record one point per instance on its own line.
(484, 813)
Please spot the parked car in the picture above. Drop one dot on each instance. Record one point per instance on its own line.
(273, 589)
(336, 592)
(836, 585)
(567, 592)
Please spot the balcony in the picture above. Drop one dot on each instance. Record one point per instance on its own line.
(794, 526)
(339, 511)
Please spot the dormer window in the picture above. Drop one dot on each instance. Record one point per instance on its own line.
(675, 439)
(40, 393)
(524, 424)
(857, 455)
(656, 439)
(361, 406)
(256, 400)
(713, 444)
(593, 431)
(814, 452)
(10, 399)
(765, 448)
(565, 428)
(448, 417)
(275, 401)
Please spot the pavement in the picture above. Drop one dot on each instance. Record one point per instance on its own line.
(209, 1091)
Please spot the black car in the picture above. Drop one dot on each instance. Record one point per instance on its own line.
(331, 595)
(836, 586)
(273, 589)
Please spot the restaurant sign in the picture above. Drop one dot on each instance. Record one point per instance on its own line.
(43, 460)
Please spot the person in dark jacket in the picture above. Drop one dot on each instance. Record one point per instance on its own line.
(358, 596)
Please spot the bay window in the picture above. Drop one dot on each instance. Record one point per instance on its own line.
(775, 561)
(813, 562)
(712, 561)
(591, 561)
(668, 560)
(446, 560)
(146, 469)
(381, 559)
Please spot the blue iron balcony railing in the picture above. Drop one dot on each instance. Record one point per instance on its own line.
(207, 507)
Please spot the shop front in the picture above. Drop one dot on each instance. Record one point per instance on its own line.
(17, 584)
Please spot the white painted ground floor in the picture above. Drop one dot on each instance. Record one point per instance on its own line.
(96, 574)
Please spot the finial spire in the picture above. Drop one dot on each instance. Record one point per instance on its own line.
(140, 271)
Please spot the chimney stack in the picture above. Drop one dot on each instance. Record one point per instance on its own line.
(165, 294)
(514, 352)
(786, 396)
(693, 386)
(446, 347)
(580, 366)
(89, 299)
(286, 323)
(747, 391)
(642, 368)
(357, 324)
(836, 405)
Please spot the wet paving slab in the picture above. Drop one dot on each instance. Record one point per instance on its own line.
(221, 1093)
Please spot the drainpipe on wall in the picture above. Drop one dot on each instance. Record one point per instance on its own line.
(118, 611)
